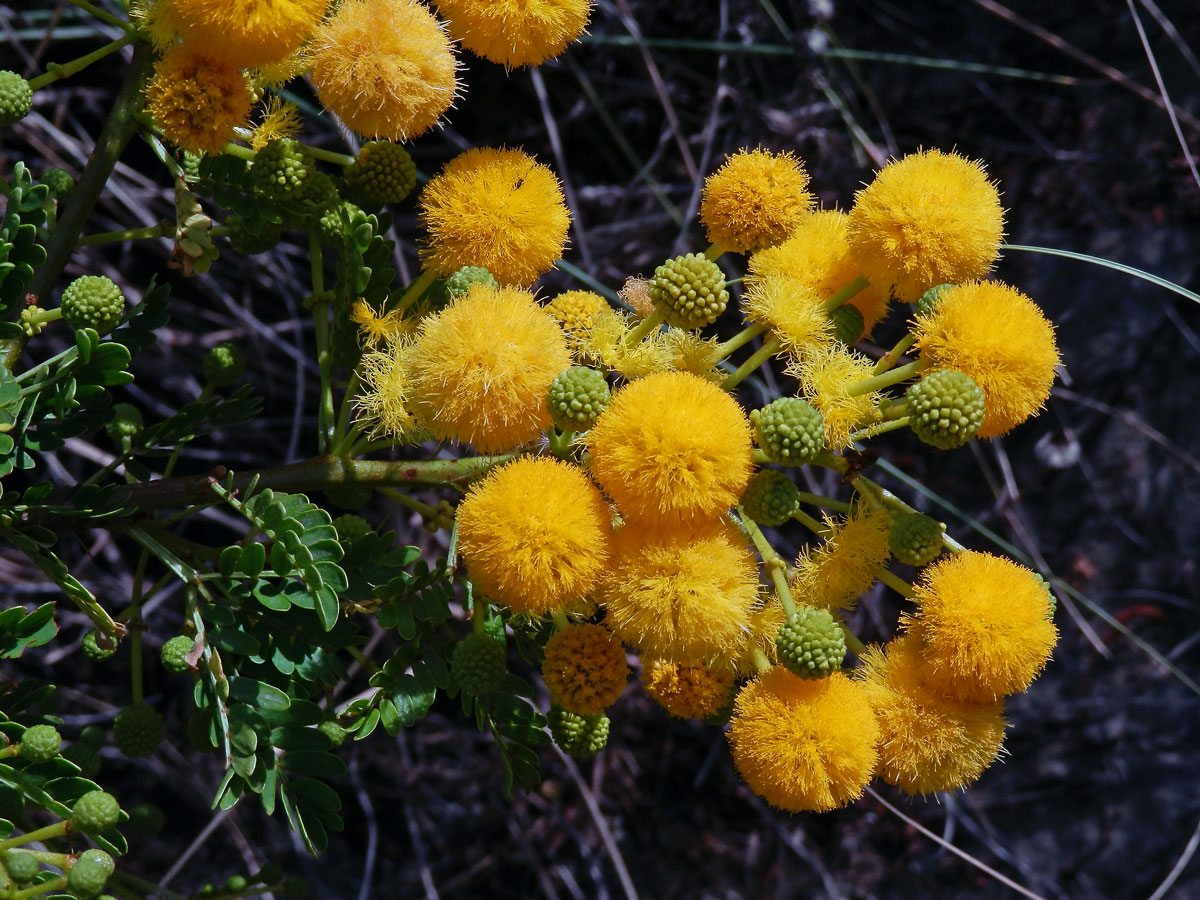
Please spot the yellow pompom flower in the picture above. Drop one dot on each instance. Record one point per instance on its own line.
(585, 669)
(928, 742)
(826, 373)
(755, 200)
(500, 209)
(672, 447)
(986, 625)
(385, 67)
(801, 744)
(791, 309)
(516, 32)
(692, 690)
(246, 33)
(153, 19)
(576, 311)
(679, 594)
(197, 100)
(842, 567)
(817, 254)
(385, 400)
(480, 369)
(999, 337)
(534, 535)
(928, 218)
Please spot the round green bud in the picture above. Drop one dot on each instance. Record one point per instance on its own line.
(915, 539)
(224, 364)
(86, 757)
(350, 527)
(331, 224)
(250, 237)
(59, 181)
(848, 323)
(576, 398)
(93, 301)
(147, 819)
(12, 802)
(811, 643)
(90, 873)
(579, 736)
(126, 422)
(690, 290)
(40, 743)
(382, 173)
(199, 732)
(478, 663)
(138, 730)
(296, 887)
(236, 883)
(174, 653)
(458, 283)
(269, 874)
(789, 430)
(22, 867)
(945, 409)
(336, 733)
(95, 811)
(931, 298)
(770, 497)
(93, 736)
(282, 170)
(92, 649)
(16, 97)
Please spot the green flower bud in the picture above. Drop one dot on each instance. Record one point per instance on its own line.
(915, 539)
(811, 643)
(93, 301)
(690, 290)
(770, 497)
(477, 664)
(40, 743)
(790, 431)
(224, 364)
(576, 398)
(94, 812)
(138, 730)
(382, 173)
(16, 97)
(945, 409)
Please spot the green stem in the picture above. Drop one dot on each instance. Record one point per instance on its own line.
(769, 348)
(759, 659)
(423, 509)
(714, 252)
(239, 151)
(104, 15)
(810, 523)
(10, 750)
(162, 229)
(343, 417)
(173, 459)
(362, 659)
(326, 415)
(332, 156)
(853, 644)
(880, 428)
(56, 71)
(58, 829)
(635, 335)
(46, 316)
(772, 562)
(414, 292)
(119, 127)
(886, 379)
(858, 284)
(45, 887)
(739, 340)
(826, 502)
(894, 581)
(479, 616)
(560, 443)
(892, 357)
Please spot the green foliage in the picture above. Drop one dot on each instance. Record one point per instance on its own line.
(20, 250)
(20, 630)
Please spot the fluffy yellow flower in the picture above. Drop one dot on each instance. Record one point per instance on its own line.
(603, 344)
(928, 742)
(584, 669)
(153, 19)
(480, 369)
(826, 373)
(500, 209)
(928, 218)
(576, 311)
(689, 352)
(197, 100)
(672, 447)
(818, 254)
(534, 535)
(804, 745)
(280, 119)
(516, 32)
(246, 33)
(686, 690)
(679, 594)
(755, 199)
(986, 625)
(386, 398)
(385, 67)
(999, 337)
(791, 309)
(377, 329)
(842, 567)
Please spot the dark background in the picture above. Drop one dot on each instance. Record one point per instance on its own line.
(1098, 794)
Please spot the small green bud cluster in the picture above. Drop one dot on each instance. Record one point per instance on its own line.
(811, 643)
(138, 730)
(40, 743)
(945, 409)
(224, 364)
(579, 736)
(93, 301)
(576, 398)
(790, 431)
(383, 173)
(848, 323)
(94, 812)
(90, 873)
(127, 422)
(477, 664)
(690, 290)
(458, 283)
(174, 654)
(915, 539)
(770, 497)
(16, 97)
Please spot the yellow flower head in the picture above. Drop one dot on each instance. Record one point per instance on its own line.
(766, 619)
(386, 398)
(500, 209)
(985, 623)
(636, 292)
(153, 19)
(804, 745)
(999, 337)
(246, 33)
(833, 575)
(791, 308)
(280, 119)
(534, 534)
(672, 447)
(818, 254)
(197, 100)
(480, 368)
(376, 329)
(755, 200)
(679, 594)
(575, 311)
(603, 344)
(686, 690)
(385, 67)
(928, 218)
(826, 373)
(928, 742)
(689, 352)
(584, 669)
(516, 32)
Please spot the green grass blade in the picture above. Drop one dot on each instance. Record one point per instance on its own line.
(1108, 264)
